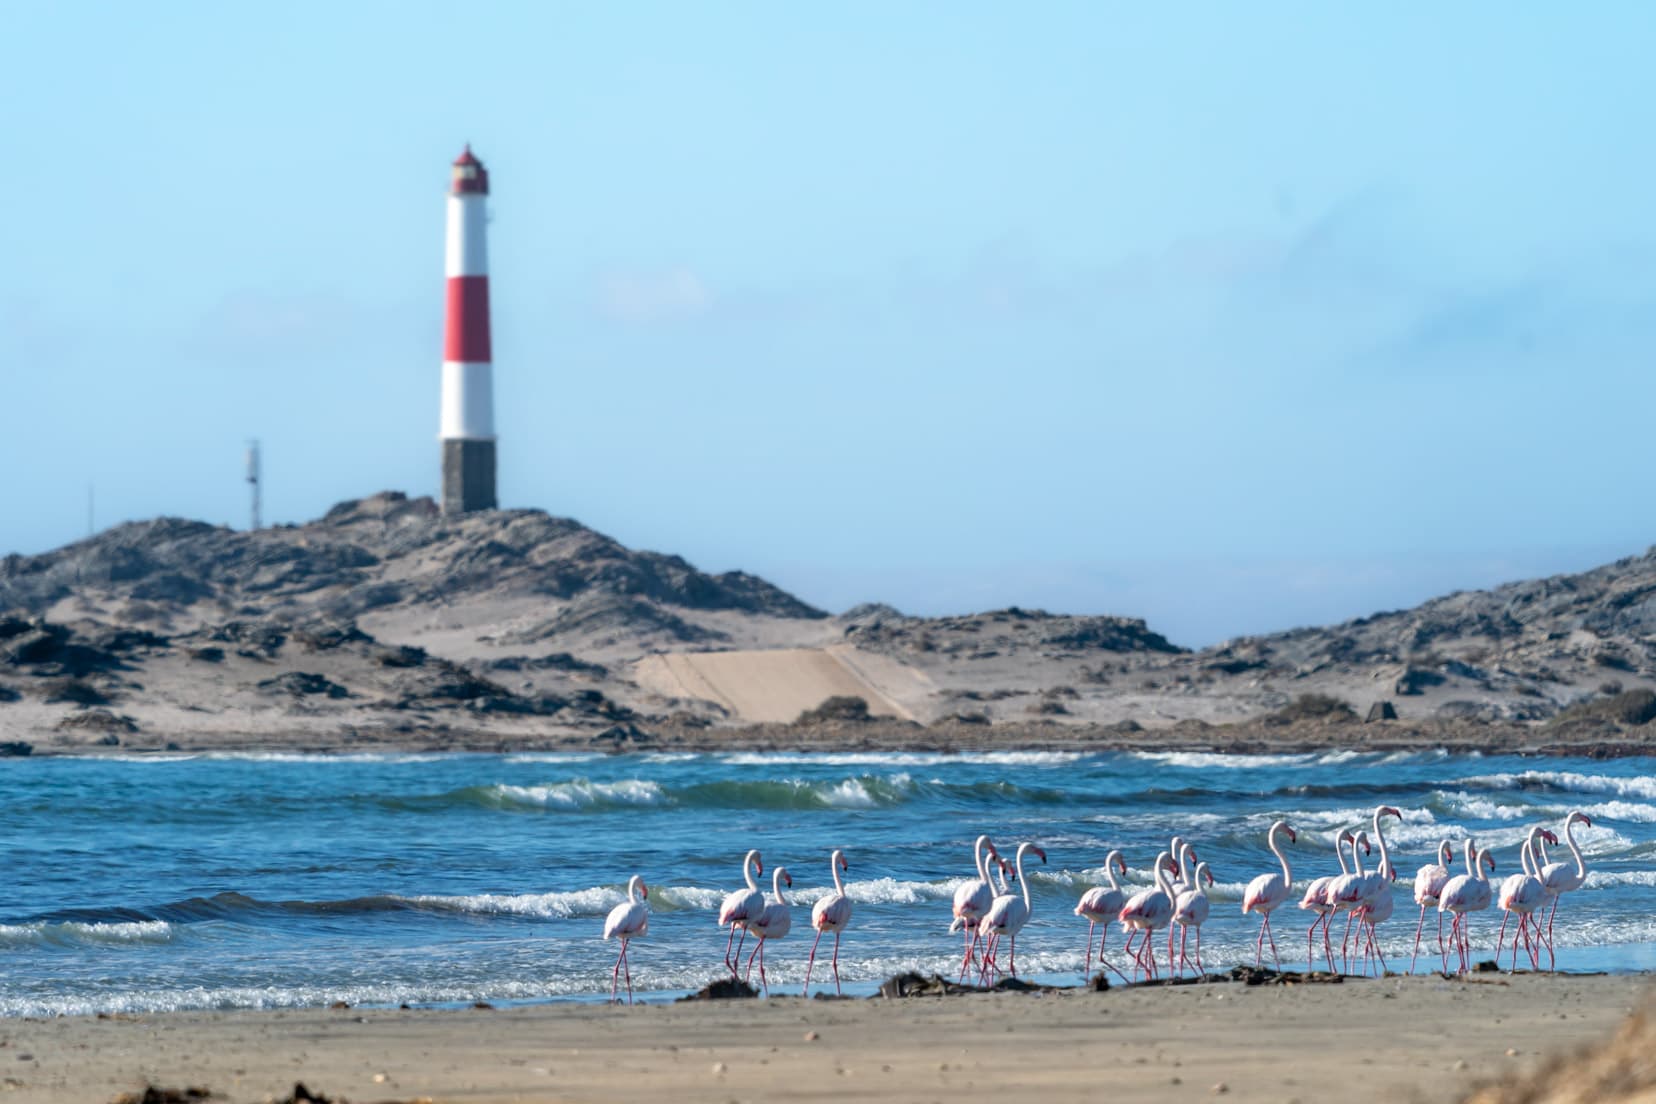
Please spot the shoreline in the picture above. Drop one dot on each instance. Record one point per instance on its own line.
(1412, 1037)
(875, 736)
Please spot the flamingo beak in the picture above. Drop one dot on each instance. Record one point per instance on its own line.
(1122, 863)
(1587, 820)
(643, 890)
(844, 865)
(1293, 836)
(758, 867)
(1041, 853)
(787, 879)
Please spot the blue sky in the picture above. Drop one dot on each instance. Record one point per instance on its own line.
(1233, 317)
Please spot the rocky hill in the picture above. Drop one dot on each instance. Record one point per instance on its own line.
(384, 622)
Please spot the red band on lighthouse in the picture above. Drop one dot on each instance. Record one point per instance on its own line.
(466, 328)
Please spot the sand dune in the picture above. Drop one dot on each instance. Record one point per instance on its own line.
(779, 684)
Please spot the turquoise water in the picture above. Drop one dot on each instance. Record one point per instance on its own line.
(149, 883)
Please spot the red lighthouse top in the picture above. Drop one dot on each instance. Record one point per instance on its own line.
(470, 177)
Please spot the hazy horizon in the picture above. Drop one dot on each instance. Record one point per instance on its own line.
(1233, 321)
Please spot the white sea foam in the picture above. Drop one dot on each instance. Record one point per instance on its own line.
(581, 794)
(554, 756)
(900, 758)
(129, 931)
(1640, 786)
(1202, 760)
(1603, 879)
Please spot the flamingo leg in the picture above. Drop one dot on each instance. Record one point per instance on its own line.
(1552, 962)
(805, 992)
(836, 964)
(615, 974)
(1013, 962)
(1420, 927)
(1310, 953)
(1506, 914)
(1200, 969)
(730, 941)
(1328, 945)
(757, 947)
(627, 967)
(737, 960)
(1184, 933)
(1086, 959)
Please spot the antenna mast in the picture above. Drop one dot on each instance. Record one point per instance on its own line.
(253, 478)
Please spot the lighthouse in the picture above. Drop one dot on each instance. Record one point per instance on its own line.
(467, 421)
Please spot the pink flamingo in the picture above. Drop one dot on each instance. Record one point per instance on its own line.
(1100, 905)
(1464, 894)
(1315, 900)
(1184, 853)
(1006, 917)
(1559, 878)
(1428, 883)
(1190, 910)
(1345, 894)
(1372, 888)
(830, 914)
(1147, 912)
(972, 900)
(1268, 891)
(773, 922)
(1523, 893)
(740, 906)
(627, 921)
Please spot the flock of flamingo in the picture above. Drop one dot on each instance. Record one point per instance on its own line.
(988, 911)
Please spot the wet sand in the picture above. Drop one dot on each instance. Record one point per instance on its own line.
(1422, 1038)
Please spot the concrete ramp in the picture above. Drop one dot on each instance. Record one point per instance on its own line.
(780, 684)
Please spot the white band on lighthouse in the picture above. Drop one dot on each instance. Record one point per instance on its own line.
(468, 249)
(468, 401)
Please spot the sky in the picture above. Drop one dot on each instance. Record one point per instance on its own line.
(1234, 317)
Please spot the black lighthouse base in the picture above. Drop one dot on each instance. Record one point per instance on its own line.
(468, 476)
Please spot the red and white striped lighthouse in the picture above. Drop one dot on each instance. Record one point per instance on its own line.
(468, 388)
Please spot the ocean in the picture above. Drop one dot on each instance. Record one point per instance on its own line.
(163, 882)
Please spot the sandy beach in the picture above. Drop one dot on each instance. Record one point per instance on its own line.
(1421, 1038)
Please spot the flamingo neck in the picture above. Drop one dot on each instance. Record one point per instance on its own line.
(1339, 853)
(1184, 864)
(1445, 854)
(834, 866)
(632, 888)
(1023, 881)
(1526, 857)
(1480, 875)
(1109, 870)
(1380, 840)
(1471, 859)
(747, 873)
(977, 853)
(1575, 849)
(776, 886)
(1357, 858)
(1161, 875)
(1287, 874)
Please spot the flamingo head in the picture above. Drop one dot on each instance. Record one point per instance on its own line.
(1170, 866)
(1548, 835)
(1121, 866)
(1362, 838)
(839, 857)
(1037, 851)
(1208, 872)
(1391, 810)
(787, 879)
(1008, 871)
(1190, 852)
(1345, 836)
(1490, 859)
(1581, 818)
(643, 889)
(758, 864)
(1446, 853)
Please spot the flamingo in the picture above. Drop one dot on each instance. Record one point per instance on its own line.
(1376, 909)
(627, 921)
(1428, 884)
(1522, 893)
(773, 922)
(1100, 905)
(1463, 894)
(1190, 910)
(1559, 879)
(830, 914)
(740, 906)
(1268, 891)
(1147, 911)
(972, 900)
(1315, 901)
(1007, 915)
(1373, 887)
(1345, 894)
